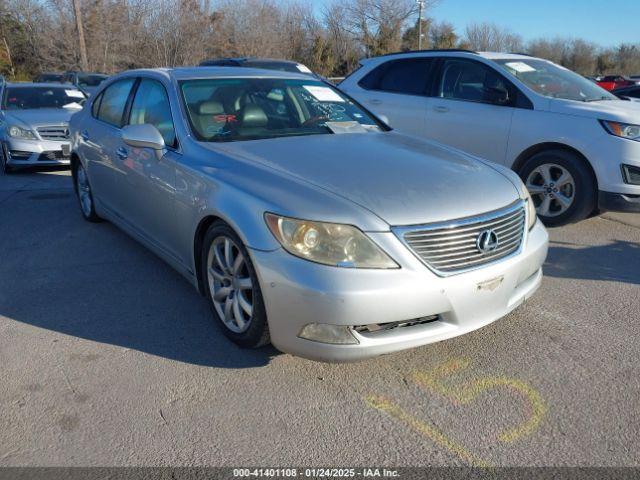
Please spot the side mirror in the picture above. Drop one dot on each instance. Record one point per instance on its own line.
(384, 119)
(496, 95)
(144, 136)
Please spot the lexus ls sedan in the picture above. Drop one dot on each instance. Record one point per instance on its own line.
(34, 123)
(303, 219)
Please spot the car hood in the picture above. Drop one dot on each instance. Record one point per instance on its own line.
(616, 110)
(402, 179)
(39, 117)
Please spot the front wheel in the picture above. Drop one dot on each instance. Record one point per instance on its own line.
(232, 287)
(561, 185)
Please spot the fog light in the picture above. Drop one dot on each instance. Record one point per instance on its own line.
(631, 174)
(325, 333)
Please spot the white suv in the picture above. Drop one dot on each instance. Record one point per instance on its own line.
(576, 146)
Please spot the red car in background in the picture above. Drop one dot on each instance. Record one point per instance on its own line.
(611, 82)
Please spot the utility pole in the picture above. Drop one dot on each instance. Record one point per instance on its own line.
(420, 7)
(84, 63)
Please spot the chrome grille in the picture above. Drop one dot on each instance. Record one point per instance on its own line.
(57, 133)
(453, 247)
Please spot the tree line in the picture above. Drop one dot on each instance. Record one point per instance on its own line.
(114, 35)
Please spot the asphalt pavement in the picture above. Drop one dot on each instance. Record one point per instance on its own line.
(108, 357)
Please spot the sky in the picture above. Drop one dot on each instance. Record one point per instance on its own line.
(606, 22)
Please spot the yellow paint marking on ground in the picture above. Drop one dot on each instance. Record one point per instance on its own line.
(384, 405)
(467, 393)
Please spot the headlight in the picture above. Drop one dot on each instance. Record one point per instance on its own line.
(328, 243)
(624, 130)
(19, 132)
(532, 215)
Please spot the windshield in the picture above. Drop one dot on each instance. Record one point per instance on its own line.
(26, 98)
(256, 108)
(553, 81)
(91, 80)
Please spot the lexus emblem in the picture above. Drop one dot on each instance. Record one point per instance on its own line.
(487, 241)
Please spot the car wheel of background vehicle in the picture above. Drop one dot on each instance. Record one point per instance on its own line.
(561, 185)
(6, 168)
(83, 192)
(232, 287)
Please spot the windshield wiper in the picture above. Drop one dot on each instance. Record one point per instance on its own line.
(597, 99)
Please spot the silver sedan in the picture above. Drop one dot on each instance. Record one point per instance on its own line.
(34, 123)
(303, 219)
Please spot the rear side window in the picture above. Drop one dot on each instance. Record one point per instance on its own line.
(114, 100)
(409, 76)
(151, 105)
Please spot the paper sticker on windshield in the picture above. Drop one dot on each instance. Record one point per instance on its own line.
(520, 67)
(74, 93)
(323, 94)
(303, 68)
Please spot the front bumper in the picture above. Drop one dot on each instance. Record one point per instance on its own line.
(618, 202)
(34, 152)
(297, 292)
(607, 155)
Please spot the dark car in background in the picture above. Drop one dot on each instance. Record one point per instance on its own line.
(266, 63)
(628, 93)
(85, 81)
(49, 77)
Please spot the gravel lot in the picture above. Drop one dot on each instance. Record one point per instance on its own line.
(108, 357)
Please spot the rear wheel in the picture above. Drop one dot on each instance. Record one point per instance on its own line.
(84, 194)
(232, 287)
(561, 185)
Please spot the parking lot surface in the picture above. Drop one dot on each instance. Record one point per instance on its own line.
(109, 357)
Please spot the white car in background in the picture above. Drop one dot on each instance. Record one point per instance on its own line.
(575, 145)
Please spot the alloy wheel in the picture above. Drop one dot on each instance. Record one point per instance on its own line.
(230, 284)
(552, 189)
(84, 191)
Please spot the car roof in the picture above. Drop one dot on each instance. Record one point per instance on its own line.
(185, 73)
(455, 52)
(251, 59)
(506, 56)
(42, 85)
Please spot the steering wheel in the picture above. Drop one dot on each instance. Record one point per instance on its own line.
(314, 120)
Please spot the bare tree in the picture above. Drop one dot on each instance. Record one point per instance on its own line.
(489, 37)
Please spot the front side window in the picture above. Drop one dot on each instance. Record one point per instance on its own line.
(553, 81)
(257, 108)
(151, 105)
(28, 98)
(470, 81)
(114, 100)
(409, 76)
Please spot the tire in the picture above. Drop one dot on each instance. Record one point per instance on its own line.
(562, 186)
(229, 287)
(6, 168)
(83, 193)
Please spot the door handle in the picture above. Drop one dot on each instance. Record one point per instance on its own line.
(441, 109)
(122, 153)
(85, 135)
(375, 101)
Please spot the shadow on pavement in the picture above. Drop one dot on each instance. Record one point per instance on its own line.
(91, 281)
(618, 261)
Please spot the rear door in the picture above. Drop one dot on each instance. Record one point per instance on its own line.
(462, 113)
(100, 138)
(398, 89)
